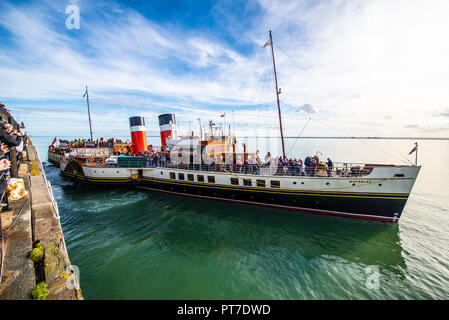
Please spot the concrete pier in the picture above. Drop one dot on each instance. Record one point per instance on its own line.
(38, 223)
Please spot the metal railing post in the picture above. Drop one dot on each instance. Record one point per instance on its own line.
(13, 160)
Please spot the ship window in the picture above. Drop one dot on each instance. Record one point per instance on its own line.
(275, 184)
(261, 183)
(235, 181)
(399, 175)
(247, 182)
(190, 177)
(172, 175)
(200, 178)
(211, 179)
(181, 176)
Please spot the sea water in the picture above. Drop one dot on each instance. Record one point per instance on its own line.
(131, 244)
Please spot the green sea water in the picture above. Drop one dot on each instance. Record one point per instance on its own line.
(130, 244)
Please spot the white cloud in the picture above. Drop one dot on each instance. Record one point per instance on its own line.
(307, 108)
(360, 61)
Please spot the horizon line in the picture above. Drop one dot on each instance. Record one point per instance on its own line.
(309, 137)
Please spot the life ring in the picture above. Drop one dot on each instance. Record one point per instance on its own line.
(101, 153)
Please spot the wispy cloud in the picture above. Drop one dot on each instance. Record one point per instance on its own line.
(359, 61)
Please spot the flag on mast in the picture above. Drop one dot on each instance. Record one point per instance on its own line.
(54, 140)
(414, 149)
(221, 116)
(268, 43)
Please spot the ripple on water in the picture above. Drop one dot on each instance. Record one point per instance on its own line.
(131, 244)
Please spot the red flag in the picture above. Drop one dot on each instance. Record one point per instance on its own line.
(221, 116)
(268, 43)
(54, 140)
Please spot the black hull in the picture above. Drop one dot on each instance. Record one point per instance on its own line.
(368, 207)
(385, 207)
(56, 163)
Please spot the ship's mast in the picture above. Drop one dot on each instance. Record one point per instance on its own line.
(277, 95)
(88, 112)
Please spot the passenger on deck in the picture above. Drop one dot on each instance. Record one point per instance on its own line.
(238, 165)
(163, 160)
(211, 163)
(245, 166)
(268, 159)
(292, 166)
(330, 167)
(255, 166)
(313, 166)
(307, 163)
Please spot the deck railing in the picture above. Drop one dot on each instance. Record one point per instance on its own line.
(322, 170)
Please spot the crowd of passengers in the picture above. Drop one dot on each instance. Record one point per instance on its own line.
(98, 143)
(250, 165)
(66, 145)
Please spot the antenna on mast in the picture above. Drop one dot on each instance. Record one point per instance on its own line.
(278, 91)
(88, 112)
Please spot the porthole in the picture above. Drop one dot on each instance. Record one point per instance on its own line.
(353, 184)
(327, 183)
(302, 182)
(380, 184)
(275, 184)
(294, 182)
(235, 181)
(260, 183)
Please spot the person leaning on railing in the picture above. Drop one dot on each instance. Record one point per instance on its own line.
(4, 165)
(7, 137)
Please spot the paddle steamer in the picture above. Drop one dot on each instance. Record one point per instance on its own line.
(184, 167)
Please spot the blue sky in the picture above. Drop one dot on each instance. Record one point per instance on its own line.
(355, 67)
